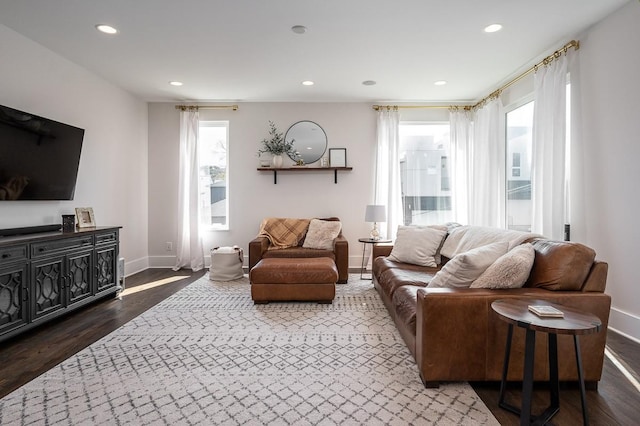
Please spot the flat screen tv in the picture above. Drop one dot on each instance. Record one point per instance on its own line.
(39, 157)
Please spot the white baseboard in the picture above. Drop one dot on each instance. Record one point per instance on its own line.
(162, 261)
(625, 323)
(134, 266)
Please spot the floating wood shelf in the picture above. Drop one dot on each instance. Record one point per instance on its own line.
(303, 169)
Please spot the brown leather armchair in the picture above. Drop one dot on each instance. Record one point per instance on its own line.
(259, 249)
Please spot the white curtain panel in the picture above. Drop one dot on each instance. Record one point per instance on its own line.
(387, 180)
(487, 167)
(461, 124)
(575, 187)
(189, 243)
(548, 178)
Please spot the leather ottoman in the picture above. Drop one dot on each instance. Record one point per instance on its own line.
(294, 279)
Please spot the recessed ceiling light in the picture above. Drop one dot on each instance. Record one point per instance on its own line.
(440, 82)
(299, 29)
(175, 83)
(308, 83)
(369, 83)
(492, 28)
(107, 29)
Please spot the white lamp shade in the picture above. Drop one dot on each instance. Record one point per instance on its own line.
(375, 213)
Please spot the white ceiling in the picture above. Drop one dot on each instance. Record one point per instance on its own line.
(244, 50)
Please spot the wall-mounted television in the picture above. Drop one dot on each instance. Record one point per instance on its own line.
(39, 157)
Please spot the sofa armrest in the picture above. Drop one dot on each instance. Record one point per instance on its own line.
(257, 247)
(459, 337)
(341, 253)
(382, 249)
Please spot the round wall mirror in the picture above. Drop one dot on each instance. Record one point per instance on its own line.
(309, 141)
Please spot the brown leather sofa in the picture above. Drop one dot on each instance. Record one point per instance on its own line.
(259, 249)
(454, 335)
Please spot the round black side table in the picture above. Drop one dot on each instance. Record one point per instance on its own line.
(574, 322)
(365, 241)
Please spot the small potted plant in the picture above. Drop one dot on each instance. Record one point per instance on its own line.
(277, 146)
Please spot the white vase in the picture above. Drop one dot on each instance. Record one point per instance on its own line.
(276, 161)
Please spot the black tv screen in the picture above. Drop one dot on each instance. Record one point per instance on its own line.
(39, 157)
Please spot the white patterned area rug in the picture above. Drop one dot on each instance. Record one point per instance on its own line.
(207, 355)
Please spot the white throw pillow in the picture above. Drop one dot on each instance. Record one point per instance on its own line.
(510, 270)
(417, 245)
(321, 234)
(466, 267)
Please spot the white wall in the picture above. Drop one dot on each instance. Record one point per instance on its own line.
(610, 66)
(112, 176)
(252, 194)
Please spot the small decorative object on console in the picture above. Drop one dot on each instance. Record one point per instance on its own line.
(546, 311)
(68, 223)
(85, 218)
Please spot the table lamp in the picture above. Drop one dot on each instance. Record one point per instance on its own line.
(375, 213)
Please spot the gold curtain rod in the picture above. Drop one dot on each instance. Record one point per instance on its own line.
(546, 61)
(198, 107)
(388, 107)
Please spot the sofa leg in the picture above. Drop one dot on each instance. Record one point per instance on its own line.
(429, 384)
(260, 302)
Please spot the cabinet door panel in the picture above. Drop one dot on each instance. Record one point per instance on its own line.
(79, 276)
(48, 287)
(106, 265)
(13, 296)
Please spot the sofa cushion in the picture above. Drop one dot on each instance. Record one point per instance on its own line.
(417, 245)
(321, 234)
(511, 270)
(383, 264)
(560, 265)
(392, 279)
(464, 238)
(464, 268)
(298, 252)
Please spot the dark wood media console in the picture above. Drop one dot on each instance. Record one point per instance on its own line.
(45, 275)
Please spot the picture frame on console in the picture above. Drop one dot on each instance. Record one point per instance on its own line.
(338, 157)
(85, 217)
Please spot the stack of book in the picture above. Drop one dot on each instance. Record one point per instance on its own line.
(546, 311)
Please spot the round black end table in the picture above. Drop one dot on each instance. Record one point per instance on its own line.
(365, 241)
(573, 322)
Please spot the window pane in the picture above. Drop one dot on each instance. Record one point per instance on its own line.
(424, 173)
(213, 171)
(519, 124)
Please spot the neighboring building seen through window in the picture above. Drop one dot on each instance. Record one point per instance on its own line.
(519, 124)
(213, 163)
(425, 173)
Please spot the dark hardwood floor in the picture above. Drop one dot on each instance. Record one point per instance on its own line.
(616, 402)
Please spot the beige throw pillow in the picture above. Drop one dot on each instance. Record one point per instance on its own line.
(510, 270)
(321, 234)
(417, 245)
(466, 267)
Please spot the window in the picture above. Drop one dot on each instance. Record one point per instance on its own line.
(519, 139)
(424, 173)
(213, 163)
